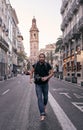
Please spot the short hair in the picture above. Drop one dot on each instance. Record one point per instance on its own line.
(42, 54)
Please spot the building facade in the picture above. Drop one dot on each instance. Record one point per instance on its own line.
(8, 39)
(4, 47)
(72, 28)
(34, 42)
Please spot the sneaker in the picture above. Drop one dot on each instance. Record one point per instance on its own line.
(42, 117)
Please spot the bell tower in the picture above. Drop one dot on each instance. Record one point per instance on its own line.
(34, 41)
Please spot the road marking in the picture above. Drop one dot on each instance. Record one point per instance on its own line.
(79, 105)
(65, 122)
(60, 89)
(78, 96)
(66, 94)
(5, 92)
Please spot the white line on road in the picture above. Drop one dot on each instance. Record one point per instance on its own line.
(78, 96)
(65, 122)
(5, 92)
(66, 94)
(79, 105)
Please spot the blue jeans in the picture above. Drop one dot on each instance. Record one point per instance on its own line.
(42, 96)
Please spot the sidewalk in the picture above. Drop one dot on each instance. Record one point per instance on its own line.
(2, 79)
(75, 84)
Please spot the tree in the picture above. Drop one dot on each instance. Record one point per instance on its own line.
(58, 45)
(21, 56)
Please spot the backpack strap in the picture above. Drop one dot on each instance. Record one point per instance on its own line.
(35, 65)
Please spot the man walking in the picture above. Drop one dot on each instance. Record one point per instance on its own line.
(42, 73)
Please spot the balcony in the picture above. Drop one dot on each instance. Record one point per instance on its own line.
(65, 40)
(0, 22)
(80, 1)
(75, 34)
(70, 15)
(4, 44)
(62, 26)
(75, 6)
(66, 21)
(81, 24)
(65, 2)
(62, 10)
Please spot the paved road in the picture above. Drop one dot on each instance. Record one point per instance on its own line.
(70, 99)
(18, 107)
(19, 110)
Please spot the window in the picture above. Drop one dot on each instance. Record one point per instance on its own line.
(73, 74)
(78, 75)
(34, 35)
(68, 74)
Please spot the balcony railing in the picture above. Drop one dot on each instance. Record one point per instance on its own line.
(70, 15)
(80, 25)
(75, 6)
(74, 33)
(0, 22)
(65, 40)
(4, 44)
(66, 21)
(62, 27)
(65, 2)
(80, 1)
(62, 10)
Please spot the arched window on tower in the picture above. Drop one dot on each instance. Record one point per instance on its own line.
(34, 35)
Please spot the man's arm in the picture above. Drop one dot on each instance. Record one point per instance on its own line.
(49, 76)
(51, 73)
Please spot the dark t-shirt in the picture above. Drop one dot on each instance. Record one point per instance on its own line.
(42, 70)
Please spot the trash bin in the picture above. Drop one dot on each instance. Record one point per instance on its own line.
(74, 79)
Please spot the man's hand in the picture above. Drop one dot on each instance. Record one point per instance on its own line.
(48, 77)
(44, 78)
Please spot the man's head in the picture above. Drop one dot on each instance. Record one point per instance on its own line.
(42, 57)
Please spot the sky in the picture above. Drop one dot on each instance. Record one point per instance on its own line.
(48, 20)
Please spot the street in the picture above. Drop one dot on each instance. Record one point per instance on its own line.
(19, 110)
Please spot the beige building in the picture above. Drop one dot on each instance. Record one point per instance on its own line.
(20, 46)
(4, 46)
(72, 28)
(8, 39)
(49, 52)
(34, 42)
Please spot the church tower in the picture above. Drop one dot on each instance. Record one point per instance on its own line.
(34, 42)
